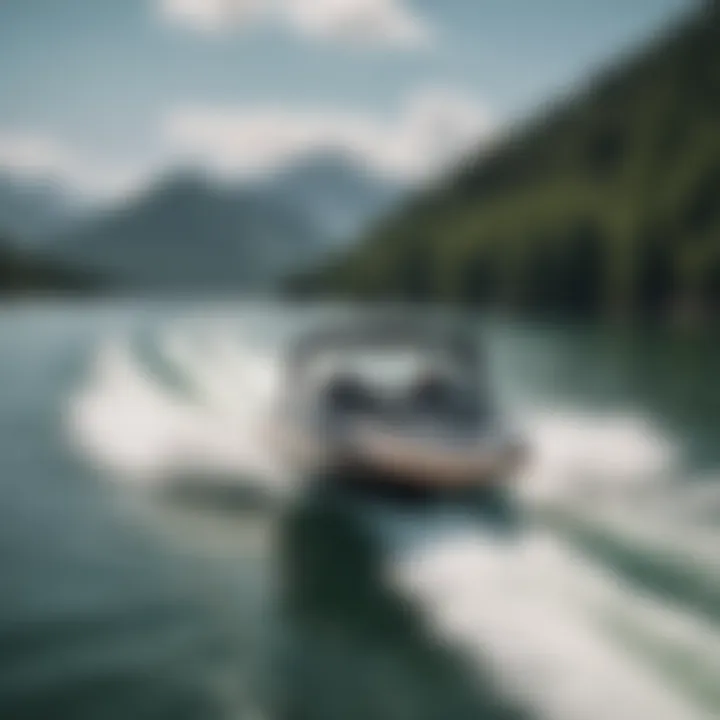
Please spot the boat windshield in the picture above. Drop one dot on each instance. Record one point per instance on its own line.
(386, 369)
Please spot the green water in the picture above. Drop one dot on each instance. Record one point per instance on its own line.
(120, 602)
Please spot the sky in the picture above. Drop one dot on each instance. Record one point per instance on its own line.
(103, 95)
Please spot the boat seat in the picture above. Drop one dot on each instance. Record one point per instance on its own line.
(348, 395)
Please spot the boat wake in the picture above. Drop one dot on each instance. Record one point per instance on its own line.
(580, 616)
(197, 410)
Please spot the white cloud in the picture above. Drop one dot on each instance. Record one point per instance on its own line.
(372, 21)
(40, 158)
(32, 155)
(367, 22)
(213, 15)
(432, 131)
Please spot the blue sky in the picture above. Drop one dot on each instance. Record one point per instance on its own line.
(105, 93)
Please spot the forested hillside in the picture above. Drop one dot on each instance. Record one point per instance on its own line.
(608, 205)
(23, 272)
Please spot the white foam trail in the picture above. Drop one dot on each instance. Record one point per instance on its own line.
(529, 611)
(535, 610)
(620, 471)
(227, 377)
(594, 455)
(656, 530)
(129, 424)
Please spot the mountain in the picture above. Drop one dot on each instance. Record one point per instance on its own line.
(191, 233)
(188, 233)
(605, 206)
(342, 197)
(32, 209)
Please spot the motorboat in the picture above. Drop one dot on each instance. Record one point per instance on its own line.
(395, 406)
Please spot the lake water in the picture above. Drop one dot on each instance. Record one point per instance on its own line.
(159, 562)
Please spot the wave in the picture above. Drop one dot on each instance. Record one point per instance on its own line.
(546, 619)
(136, 426)
(563, 628)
